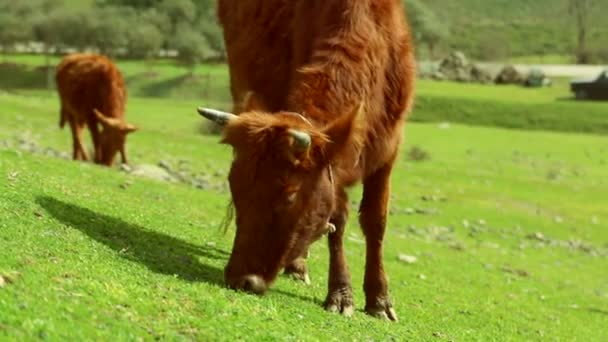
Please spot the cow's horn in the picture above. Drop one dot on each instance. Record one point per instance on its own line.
(301, 139)
(217, 116)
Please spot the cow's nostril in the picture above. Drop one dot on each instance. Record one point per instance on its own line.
(253, 284)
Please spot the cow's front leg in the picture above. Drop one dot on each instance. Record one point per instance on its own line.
(372, 216)
(297, 268)
(340, 292)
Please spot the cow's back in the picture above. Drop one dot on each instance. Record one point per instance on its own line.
(88, 81)
(258, 41)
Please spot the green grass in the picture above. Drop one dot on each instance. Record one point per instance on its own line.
(92, 257)
(81, 3)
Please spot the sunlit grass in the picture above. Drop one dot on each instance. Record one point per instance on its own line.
(509, 239)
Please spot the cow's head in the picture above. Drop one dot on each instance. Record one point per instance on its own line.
(112, 138)
(282, 187)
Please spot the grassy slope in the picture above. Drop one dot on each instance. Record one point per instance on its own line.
(527, 27)
(97, 260)
(502, 106)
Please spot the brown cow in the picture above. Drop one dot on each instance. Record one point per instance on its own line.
(92, 91)
(338, 78)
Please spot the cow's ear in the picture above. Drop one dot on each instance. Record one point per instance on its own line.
(345, 131)
(253, 102)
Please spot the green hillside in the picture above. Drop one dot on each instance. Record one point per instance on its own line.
(523, 27)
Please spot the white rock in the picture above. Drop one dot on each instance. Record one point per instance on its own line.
(408, 259)
(152, 172)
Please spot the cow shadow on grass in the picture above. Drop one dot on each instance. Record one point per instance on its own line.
(159, 252)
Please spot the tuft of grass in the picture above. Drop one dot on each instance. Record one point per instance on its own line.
(417, 154)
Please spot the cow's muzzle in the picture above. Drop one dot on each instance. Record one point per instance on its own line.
(250, 283)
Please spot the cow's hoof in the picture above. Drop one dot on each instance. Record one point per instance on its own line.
(340, 301)
(383, 310)
(303, 277)
(298, 271)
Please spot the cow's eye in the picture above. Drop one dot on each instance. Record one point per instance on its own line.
(291, 193)
(291, 197)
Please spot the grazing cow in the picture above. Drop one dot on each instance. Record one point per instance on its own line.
(322, 89)
(92, 92)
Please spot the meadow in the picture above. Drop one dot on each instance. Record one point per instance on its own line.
(494, 233)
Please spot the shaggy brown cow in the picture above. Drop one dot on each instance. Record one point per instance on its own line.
(92, 92)
(338, 78)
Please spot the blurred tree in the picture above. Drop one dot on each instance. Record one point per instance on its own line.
(12, 30)
(144, 40)
(214, 36)
(15, 18)
(598, 48)
(25, 9)
(207, 9)
(180, 13)
(209, 26)
(108, 28)
(76, 27)
(47, 29)
(581, 11)
(155, 17)
(130, 3)
(427, 29)
(192, 48)
(64, 27)
(173, 16)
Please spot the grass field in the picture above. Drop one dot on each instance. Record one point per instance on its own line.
(508, 228)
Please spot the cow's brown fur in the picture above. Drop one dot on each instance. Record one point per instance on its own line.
(321, 59)
(92, 93)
